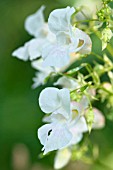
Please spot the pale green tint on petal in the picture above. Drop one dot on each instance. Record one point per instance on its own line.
(59, 19)
(85, 43)
(35, 48)
(57, 138)
(67, 83)
(22, 52)
(55, 55)
(62, 158)
(35, 22)
(49, 100)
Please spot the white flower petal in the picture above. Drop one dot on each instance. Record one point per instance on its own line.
(51, 136)
(64, 96)
(59, 19)
(62, 158)
(80, 106)
(22, 52)
(77, 137)
(67, 83)
(80, 126)
(35, 22)
(49, 100)
(35, 48)
(37, 64)
(55, 55)
(85, 47)
(43, 133)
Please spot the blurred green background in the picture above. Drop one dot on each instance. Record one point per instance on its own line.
(20, 115)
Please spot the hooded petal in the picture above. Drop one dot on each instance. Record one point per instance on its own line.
(22, 52)
(35, 22)
(51, 136)
(62, 158)
(83, 40)
(49, 100)
(55, 55)
(59, 19)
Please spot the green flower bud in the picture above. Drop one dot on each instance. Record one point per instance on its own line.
(89, 116)
(106, 36)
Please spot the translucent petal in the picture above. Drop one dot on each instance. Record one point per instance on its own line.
(59, 19)
(62, 158)
(35, 22)
(55, 55)
(22, 52)
(49, 100)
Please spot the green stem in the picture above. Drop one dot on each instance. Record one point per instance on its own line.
(88, 20)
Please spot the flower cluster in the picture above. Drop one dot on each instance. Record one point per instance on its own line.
(68, 106)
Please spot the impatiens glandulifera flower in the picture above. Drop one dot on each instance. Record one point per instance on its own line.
(69, 39)
(56, 43)
(66, 119)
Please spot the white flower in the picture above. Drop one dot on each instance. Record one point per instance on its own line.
(53, 100)
(66, 119)
(62, 120)
(69, 40)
